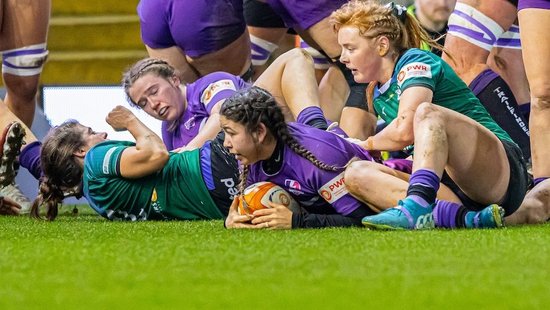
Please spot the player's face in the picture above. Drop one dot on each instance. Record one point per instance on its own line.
(359, 54)
(90, 137)
(240, 142)
(158, 97)
(437, 11)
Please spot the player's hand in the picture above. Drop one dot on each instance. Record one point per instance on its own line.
(119, 118)
(235, 220)
(368, 145)
(8, 206)
(278, 217)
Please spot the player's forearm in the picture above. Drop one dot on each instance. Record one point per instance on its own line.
(390, 138)
(146, 139)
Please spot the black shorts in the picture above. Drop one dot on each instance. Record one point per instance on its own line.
(517, 186)
(259, 14)
(247, 76)
(225, 174)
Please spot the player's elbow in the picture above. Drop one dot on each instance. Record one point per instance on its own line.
(405, 134)
(161, 156)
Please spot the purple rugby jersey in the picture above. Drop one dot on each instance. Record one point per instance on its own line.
(300, 14)
(196, 27)
(201, 96)
(317, 190)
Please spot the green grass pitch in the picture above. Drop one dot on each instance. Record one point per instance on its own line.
(85, 262)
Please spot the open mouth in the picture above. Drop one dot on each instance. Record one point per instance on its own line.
(162, 111)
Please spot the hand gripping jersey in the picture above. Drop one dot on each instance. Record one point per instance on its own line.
(421, 68)
(201, 96)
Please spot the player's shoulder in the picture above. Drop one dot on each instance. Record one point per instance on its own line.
(415, 55)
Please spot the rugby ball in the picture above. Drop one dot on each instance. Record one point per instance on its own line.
(258, 195)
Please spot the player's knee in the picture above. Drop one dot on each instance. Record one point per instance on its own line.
(358, 175)
(22, 88)
(540, 91)
(24, 61)
(426, 110)
(298, 55)
(320, 62)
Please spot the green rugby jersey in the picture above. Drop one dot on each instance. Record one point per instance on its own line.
(176, 192)
(421, 68)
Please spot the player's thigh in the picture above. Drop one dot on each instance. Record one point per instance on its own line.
(333, 92)
(322, 37)
(536, 48)
(477, 159)
(24, 23)
(176, 58)
(271, 79)
(357, 123)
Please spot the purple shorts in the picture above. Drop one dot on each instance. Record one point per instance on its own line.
(302, 14)
(533, 4)
(198, 27)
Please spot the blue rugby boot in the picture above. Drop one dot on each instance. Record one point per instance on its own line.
(407, 215)
(490, 217)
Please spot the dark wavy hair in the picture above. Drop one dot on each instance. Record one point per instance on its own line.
(254, 106)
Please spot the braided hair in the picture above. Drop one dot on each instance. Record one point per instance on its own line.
(254, 106)
(156, 66)
(374, 19)
(62, 171)
(147, 65)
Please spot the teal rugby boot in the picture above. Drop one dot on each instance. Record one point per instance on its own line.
(407, 215)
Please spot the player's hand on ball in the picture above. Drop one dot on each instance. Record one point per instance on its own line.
(276, 217)
(235, 220)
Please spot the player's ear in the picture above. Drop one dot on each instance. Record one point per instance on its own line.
(261, 133)
(81, 152)
(175, 80)
(383, 46)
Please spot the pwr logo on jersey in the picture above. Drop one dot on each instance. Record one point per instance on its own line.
(414, 70)
(334, 189)
(215, 88)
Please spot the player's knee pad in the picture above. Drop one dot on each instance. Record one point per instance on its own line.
(319, 60)
(509, 39)
(473, 26)
(261, 50)
(24, 61)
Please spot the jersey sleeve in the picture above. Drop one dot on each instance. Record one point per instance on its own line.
(418, 69)
(220, 87)
(104, 160)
